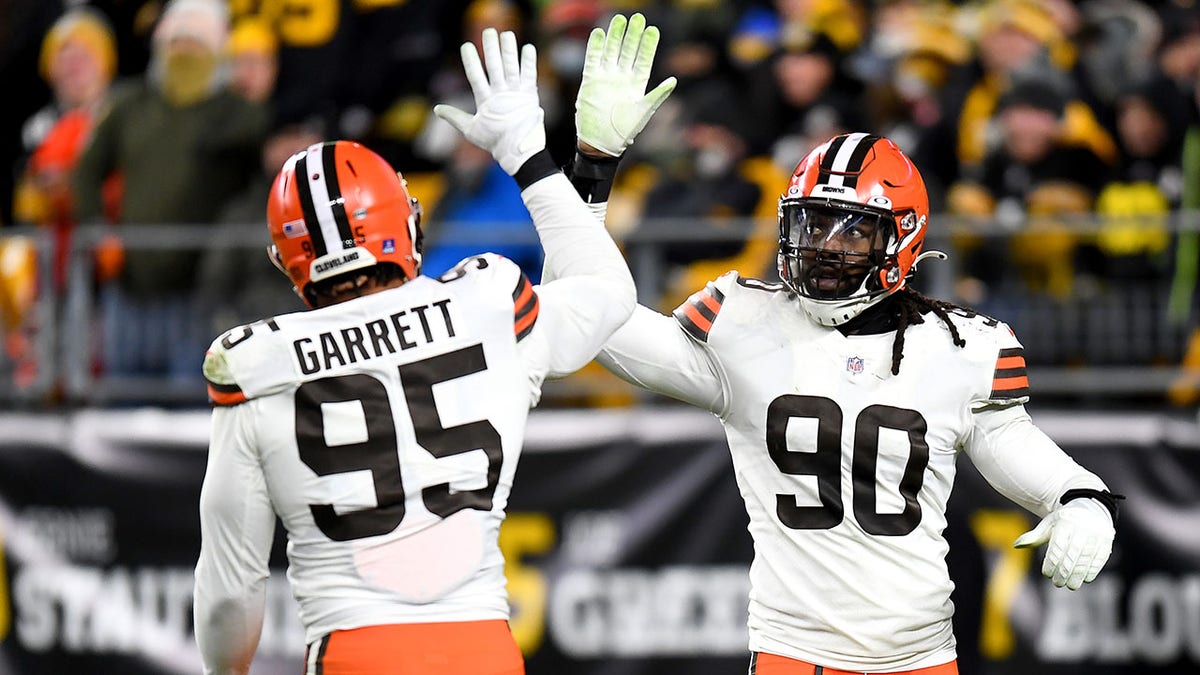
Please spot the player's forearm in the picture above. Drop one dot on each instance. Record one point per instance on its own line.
(228, 625)
(1023, 463)
(574, 239)
(592, 178)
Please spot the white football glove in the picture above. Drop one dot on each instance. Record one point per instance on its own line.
(613, 107)
(1081, 534)
(508, 119)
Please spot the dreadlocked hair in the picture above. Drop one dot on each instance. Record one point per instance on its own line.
(352, 282)
(912, 306)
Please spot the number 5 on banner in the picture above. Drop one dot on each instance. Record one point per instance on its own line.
(5, 614)
(524, 534)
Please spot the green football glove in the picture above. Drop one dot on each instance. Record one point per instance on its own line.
(612, 107)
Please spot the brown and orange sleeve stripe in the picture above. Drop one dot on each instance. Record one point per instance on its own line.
(697, 313)
(525, 308)
(225, 394)
(1010, 379)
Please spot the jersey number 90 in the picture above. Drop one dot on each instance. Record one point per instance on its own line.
(826, 464)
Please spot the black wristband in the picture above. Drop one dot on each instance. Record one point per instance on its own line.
(1108, 499)
(534, 169)
(592, 176)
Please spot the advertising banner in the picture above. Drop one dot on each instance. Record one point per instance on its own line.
(626, 545)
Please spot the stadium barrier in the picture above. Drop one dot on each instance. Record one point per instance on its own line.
(1087, 337)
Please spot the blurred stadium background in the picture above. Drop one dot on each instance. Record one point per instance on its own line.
(1060, 141)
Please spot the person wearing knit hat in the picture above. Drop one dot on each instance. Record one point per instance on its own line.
(185, 145)
(78, 60)
(253, 52)
(79, 56)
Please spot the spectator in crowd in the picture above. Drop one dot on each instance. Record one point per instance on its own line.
(185, 144)
(1131, 246)
(1035, 170)
(253, 60)
(703, 182)
(809, 97)
(78, 61)
(916, 51)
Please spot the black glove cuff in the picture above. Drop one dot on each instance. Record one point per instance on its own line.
(592, 176)
(534, 169)
(1108, 499)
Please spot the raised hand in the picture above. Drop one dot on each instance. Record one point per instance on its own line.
(508, 118)
(613, 107)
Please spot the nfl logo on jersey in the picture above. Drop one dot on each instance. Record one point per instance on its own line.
(854, 364)
(389, 245)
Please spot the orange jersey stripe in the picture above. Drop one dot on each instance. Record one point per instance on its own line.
(709, 301)
(1005, 362)
(1010, 383)
(225, 397)
(526, 291)
(699, 319)
(526, 321)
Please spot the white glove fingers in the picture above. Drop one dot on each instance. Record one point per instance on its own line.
(454, 117)
(632, 42)
(474, 72)
(509, 59)
(492, 60)
(612, 43)
(529, 68)
(644, 59)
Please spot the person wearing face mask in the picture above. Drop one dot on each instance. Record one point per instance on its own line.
(185, 144)
(703, 181)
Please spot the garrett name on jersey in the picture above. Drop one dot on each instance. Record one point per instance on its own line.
(374, 338)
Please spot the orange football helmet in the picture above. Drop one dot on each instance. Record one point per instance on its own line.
(851, 226)
(338, 207)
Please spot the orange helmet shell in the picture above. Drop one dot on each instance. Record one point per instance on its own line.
(870, 171)
(337, 207)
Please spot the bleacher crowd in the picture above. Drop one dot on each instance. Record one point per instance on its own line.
(179, 113)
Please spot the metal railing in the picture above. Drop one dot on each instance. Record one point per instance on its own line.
(1114, 342)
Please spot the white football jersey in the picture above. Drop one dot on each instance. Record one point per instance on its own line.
(845, 468)
(387, 430)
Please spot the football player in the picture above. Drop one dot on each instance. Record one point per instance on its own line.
(846, 398)
(383, 426)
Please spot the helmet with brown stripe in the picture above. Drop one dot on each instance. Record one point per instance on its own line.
(851, 226)
(338, 207)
